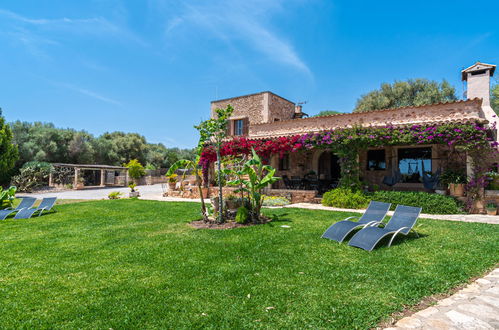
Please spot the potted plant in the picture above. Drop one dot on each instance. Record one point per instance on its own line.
(493, 181)
(456, 180)
(172, 181)
(133, 192)
(491, 208)
(80, 184)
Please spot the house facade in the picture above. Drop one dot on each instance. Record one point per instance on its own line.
(267, 116)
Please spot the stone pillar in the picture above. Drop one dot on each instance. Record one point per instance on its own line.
(102, 178)
(77, 176)
(126, 178)
(50, 179)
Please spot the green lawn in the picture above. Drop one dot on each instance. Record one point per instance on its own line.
(137, 264)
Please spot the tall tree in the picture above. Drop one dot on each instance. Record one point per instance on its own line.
(494, 101)
(412, 92)
(8, 151)
(327, 113)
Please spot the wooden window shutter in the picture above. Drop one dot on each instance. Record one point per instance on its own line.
(245, 126)
(230, 126)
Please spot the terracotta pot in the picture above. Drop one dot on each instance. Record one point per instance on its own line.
(171, 185)
(205, 192)
(456, 189)
(492, 211)
(478, 206)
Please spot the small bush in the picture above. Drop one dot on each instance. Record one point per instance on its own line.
(431, 203)
(114, 195)
(242, 215)
(345, 198)
(275, 201)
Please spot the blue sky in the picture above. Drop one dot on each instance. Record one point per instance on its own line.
(154, 66)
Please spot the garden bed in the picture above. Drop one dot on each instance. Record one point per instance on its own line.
(201, 224)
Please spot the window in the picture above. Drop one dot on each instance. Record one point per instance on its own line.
(284, 163)
(238, 127)
(413, 162)
(376, 160)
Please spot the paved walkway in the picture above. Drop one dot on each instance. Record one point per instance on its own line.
(474, 307)
(493, 219)
(150, 192)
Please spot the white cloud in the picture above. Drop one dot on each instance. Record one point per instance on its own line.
(42, 28)
(87, 92)
(234, 21)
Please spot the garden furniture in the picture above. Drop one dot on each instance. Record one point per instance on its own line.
(46, 205)
(26, 202)
(402, 221)
(374, 214)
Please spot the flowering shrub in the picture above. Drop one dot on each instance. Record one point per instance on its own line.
(347, 142)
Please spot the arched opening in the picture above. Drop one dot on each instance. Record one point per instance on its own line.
(329, 167)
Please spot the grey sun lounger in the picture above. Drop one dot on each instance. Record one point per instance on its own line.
(375, 213)
(402, 222)
(26, 203)
(46, 205)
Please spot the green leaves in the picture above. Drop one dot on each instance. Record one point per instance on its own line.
(135, 169)
(413, 92)
(7, 196)
(259, 176)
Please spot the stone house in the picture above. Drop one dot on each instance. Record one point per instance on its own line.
(267, 116)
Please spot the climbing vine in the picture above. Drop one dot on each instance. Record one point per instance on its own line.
(473, 138)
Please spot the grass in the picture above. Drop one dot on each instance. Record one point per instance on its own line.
(136, 264)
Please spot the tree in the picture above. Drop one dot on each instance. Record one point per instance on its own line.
(215, 131)
(327, 113)
(135, 169)
(413, 92)
(8, 151)
(494, 102)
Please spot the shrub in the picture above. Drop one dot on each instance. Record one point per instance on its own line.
(275, 201)
(242, 215)
(345, 198)
(114, 195)
(135, 169)
(431, 203)
(32, 175)
(7, 197)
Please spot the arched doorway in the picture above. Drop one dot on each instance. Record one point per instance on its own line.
(329, 167)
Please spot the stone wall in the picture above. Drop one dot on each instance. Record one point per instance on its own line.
(460, 111)
(280, 109)
(248, 106)
(265, 107)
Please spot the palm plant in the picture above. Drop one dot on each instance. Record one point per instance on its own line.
(253, 178)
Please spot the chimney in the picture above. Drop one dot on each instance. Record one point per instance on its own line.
(477, 79)
(298, 111)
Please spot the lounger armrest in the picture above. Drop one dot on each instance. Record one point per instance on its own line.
(398, 231)
(353, 217)
(375, 223)
(40, 211)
